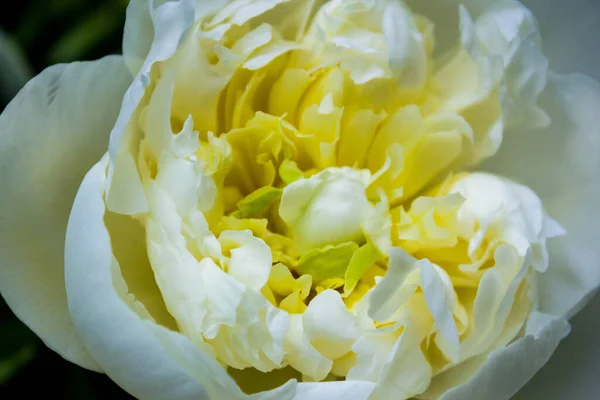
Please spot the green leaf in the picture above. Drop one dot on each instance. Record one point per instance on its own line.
(327, 262)
(257, 202)
(361, 261)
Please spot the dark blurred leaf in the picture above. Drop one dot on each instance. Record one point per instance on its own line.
(18, 347)
(14, 70)
(90, 31)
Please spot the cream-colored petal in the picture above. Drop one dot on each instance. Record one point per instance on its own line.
(125, 193)
(561, 165)
(506, 370)
(54, 130)
(347, 390)
(147, 360)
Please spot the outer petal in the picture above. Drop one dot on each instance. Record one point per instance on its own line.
(50, 135)
(561, 165)
(138, 34)
(506, 370)
(573, 370)
(569, 34)
(147, 360)
(347, 390)
(139, 29)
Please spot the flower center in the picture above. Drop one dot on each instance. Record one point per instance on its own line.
(314, 220)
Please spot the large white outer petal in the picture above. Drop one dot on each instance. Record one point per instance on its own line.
(561, 164)
(147, 360)
(506, 370)
(53, 131)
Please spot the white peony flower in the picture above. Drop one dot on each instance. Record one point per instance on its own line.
(306, 200)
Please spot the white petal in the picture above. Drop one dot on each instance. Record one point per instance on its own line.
(54, 130)
(301, 355)
(407, 371)
(251, 258)
(328, 325)
(406, 47)
(347, 390)
(327, 208)
(393, 290)
(125, 192)
(561, 165)
(438, 293)
(557, 379)
(138, 34)
(147, 360)
(506, 370)
(508, 29)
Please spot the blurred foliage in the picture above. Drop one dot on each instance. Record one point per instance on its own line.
(53, 31)
(36, 34)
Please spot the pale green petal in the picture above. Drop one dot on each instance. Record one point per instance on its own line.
(361, 261)
(329, 262)
(53, 131)
(257, 202)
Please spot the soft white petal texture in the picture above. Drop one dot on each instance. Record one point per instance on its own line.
(573, 370)
(125, 192)
(347, 390)
(138, 34)
(147, 360)
(564, 173)
(139, 28)
(506, 370)
(329, 326)
(54, 130)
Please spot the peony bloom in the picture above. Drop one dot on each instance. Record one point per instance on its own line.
(305, 200)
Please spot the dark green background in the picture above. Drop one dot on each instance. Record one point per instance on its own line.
(50, 32)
